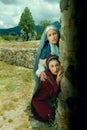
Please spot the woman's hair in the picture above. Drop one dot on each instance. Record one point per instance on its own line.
(50, 58)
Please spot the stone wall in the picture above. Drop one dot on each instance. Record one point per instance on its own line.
(19, 57)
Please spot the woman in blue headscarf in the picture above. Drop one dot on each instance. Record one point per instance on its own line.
(49, 44)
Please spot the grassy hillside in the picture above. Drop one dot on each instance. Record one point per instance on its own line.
(16, 87)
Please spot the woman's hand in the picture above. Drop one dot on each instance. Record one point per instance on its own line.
(42, 76)
(59, 76)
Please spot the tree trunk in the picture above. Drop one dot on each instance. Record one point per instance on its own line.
(72, 104)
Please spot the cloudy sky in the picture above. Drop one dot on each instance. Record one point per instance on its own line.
(11, 10)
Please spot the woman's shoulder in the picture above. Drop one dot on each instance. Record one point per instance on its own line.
(49, 76)
(45, 51)
(47, 72)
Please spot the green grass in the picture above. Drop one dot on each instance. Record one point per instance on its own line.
(16, 85)
(12, 77)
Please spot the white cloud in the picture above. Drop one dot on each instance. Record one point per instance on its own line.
(10, 1)
(10, 11)
(1, 23)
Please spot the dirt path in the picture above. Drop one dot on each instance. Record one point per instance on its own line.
(16, 86)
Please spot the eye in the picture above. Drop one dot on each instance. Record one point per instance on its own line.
(52, 66)
(49, 35)
(54, 33)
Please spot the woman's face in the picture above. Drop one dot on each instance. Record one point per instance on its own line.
(54, 67)
(52, 36)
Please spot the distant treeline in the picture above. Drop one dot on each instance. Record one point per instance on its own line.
(16, 30)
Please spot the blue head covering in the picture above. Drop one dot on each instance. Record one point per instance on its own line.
(42, 43)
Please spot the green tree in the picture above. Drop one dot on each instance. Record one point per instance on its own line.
(44, 23)
(27, 25)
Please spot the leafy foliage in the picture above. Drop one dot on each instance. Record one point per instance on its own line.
(41, 28)
(43, 24)
(27, 25)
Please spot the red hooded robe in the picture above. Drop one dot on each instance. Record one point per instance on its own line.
(44, 99)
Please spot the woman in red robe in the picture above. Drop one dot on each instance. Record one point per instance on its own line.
(44, 99)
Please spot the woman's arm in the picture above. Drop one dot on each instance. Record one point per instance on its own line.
(41, 68)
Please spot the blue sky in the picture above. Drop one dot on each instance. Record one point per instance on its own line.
(11, 10)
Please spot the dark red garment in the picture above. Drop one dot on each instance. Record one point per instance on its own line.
(44, 110)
